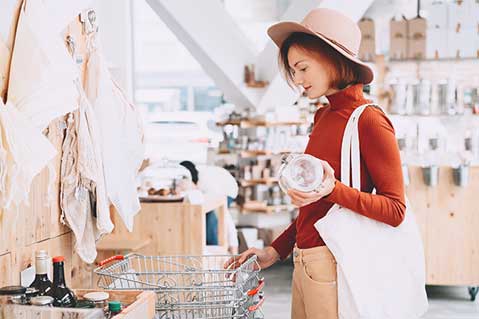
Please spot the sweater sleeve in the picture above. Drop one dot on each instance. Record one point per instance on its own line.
(284, 244)
(380, 154)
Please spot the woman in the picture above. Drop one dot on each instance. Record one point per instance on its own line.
(320, 55)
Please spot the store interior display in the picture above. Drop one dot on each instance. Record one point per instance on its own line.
(162, 181)
(75, 182)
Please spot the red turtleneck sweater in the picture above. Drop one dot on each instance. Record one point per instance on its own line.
(380, 169)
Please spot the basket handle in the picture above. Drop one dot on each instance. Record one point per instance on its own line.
(112, 258)
(254, 291)
(257, 306)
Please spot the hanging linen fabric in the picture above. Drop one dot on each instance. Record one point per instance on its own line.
(121, 135)
(40, 89)
(24, 152)
(83, 199)
(4, 64)
(8, 25)
(42, 74)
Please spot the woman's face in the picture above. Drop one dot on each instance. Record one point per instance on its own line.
(311, 72)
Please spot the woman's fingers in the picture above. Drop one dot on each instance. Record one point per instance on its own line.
(328, 170)
(236, 261)
(301, 195)
(248, 253)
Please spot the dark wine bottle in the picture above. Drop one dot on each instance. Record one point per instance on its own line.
(41, 281)
(62, 295)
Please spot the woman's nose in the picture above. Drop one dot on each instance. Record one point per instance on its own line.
(297, 80)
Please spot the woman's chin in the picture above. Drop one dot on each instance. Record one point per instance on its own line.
(313, 95)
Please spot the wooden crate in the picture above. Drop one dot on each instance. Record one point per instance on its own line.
(139, 304)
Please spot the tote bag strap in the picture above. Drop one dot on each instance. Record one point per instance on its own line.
(350, 150)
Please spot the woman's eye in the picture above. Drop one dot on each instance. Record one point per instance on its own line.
(303, 69)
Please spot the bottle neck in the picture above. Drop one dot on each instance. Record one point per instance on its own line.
(41, 266)
(58, 274)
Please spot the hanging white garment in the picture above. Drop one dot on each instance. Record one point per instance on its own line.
(120, 134)
(4, 63)
(84, 202)
(42, 74)
(24, 152)
(75, 193)
(381, 269)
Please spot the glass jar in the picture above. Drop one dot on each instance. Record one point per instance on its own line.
(302, 172)
(99, 298)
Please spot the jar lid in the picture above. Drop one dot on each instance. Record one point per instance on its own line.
(12, 290)
(96, 296)
(41, 301)
(114, 306)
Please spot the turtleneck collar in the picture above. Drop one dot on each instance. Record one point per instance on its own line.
(349, 97)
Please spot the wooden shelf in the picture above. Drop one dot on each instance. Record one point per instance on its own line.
(246, 154)
(229, 122)
(253, 182)
(257, 123)
(429, 60)
(260, 207)
(253, 123)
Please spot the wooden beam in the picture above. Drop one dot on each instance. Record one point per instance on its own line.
(210, 34)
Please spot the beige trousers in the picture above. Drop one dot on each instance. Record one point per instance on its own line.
(314, 288)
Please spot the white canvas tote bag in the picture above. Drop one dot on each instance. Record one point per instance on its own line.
(381, 269)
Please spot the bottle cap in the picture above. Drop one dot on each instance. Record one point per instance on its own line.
(41, 301)
(41, 254)
(114, 306)
(58, 259)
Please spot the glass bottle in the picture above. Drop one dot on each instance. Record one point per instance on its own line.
(63, 296)
(41, 281)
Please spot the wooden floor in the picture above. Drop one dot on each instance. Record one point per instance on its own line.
(444, 302)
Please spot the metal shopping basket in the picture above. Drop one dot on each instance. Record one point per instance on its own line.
(189, 286)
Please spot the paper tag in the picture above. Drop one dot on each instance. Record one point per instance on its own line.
(27, 276)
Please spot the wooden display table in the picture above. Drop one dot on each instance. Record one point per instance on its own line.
(162, 229)
(448, 217)
(135, 303)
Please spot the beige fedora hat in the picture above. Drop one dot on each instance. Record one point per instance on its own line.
(331, 26)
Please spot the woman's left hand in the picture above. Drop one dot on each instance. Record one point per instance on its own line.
(301, 199)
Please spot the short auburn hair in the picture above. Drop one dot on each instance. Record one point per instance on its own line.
(344, 71)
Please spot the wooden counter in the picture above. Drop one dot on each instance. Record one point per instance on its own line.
(448, 216)
(168, 229)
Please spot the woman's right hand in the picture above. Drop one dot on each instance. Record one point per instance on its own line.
(266, 257)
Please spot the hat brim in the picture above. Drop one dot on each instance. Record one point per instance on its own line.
(279, 32)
